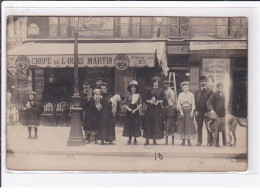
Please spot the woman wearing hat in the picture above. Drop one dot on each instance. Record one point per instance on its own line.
(132, 103)
(153, 128)
(186, 107)
(32, 116)
(107, 130)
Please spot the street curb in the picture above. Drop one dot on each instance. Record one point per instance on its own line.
(143, 154)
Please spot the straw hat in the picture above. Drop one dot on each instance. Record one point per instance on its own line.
(132, 83)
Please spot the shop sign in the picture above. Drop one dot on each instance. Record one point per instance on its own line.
(33, 29)
(216, 70)
(122, 62)
(207, 45)
(96, 27)
(61, 61)
(94, 33)
(178, 50)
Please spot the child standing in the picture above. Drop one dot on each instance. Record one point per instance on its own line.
(89, 117)
(32, 118)
(171, 116)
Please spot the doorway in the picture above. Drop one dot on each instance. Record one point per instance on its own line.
(240, 89)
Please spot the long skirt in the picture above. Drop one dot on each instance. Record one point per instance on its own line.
(186, 126)
(107, 130)
(132, 123)
(153, 127)
(170, 127)
(90, 123)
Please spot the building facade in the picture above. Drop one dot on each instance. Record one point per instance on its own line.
(124, 48)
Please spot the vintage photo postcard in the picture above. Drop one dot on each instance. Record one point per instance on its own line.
(117, 93)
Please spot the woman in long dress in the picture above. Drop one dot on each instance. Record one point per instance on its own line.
(186, 105)
(107, 130)
(153, 128)
(132, 103)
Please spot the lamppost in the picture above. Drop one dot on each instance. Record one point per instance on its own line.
(76, 137)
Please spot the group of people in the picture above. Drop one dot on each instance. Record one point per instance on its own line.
(165, 116)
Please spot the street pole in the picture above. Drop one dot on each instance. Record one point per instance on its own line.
(76, 137)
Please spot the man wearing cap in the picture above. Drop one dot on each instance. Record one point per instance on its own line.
(99, 81)
(216, 103)
(169, 93)
(201, 97)
(86, 87)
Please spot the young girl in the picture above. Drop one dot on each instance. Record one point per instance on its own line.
(171, 115)
(32, 119)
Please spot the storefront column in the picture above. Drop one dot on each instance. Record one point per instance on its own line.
(17, 27)
(10, 27)
(23, 27)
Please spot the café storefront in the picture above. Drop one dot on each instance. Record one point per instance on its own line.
(47, 68)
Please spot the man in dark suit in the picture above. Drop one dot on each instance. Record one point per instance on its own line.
(216, 103)
(201, 97)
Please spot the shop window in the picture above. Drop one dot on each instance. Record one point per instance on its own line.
(58, 27)
(37, 27)
(179, 26)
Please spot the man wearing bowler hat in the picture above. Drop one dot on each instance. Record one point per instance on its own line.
(201, 97)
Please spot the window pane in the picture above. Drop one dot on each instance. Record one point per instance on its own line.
(136, 26)
(160, 26)
(64, 26)
(53, 26)
(184, 26)
(124, 26)
(146, 26)
(174, 26)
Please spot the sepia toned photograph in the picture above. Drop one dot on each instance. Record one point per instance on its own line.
(130, 94)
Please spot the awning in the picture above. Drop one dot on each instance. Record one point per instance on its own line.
(60, 55)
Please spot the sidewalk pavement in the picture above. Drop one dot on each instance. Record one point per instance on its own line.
(53, 140)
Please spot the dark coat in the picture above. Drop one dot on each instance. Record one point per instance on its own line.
(89, 115)
(153, 128)
(216, 102)
(32, 114)
(197, 96)
(107, 131)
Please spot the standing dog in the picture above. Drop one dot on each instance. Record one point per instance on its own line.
(215, 125)
(232, 125)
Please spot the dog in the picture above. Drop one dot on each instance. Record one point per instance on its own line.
(215, 125)
(114, 100)
(97, 98)
(232, 126)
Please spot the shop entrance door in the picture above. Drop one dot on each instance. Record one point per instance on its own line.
(240, 100)
(63, 82)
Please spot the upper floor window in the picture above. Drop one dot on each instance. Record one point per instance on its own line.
(58, 27)
(37, 27)
(237, 27)
(179, 26)
(135, 27)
